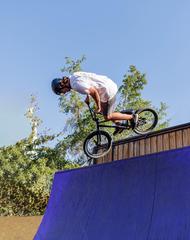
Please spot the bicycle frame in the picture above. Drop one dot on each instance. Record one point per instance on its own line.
(99, 124)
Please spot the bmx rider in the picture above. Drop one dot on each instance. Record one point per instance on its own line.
(101, 88)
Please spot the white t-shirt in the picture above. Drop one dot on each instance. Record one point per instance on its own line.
(82, 81)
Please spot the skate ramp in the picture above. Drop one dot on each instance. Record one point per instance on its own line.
(141, 198)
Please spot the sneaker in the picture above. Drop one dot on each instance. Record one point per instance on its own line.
(135, 120)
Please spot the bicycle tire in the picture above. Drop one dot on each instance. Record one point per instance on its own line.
(140, 123)
(101, 148)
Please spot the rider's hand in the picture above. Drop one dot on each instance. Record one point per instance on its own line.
(87, 100)
(98, 110)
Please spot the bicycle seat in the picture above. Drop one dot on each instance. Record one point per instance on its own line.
(128, 111)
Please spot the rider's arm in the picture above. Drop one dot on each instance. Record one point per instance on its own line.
(95, 95)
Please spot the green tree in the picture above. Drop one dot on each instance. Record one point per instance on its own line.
(130, 96)
(27, 170)
(34, 120)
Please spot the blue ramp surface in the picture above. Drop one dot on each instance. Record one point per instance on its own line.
(142, 198)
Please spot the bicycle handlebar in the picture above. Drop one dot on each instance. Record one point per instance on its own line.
(93, 113)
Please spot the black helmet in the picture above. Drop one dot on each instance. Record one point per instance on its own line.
(56, 85)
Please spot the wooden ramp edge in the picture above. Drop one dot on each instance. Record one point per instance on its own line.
(162, 140)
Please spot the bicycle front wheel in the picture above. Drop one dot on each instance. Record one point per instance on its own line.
(147, 121)
(97, 144)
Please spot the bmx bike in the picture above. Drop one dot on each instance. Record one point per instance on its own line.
(98, 143)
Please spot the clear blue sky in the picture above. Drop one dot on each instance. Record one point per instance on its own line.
(36, 36)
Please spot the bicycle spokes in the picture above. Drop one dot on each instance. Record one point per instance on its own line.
(97, 144)
(147, 121)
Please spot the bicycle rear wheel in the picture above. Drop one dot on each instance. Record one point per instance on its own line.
(147, 121)
(97, 144)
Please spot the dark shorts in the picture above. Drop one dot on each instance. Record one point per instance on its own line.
(109, 106)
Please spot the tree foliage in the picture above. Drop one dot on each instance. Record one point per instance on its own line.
(27, 170)
(130, 96)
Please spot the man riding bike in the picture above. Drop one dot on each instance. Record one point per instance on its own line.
(101, 88)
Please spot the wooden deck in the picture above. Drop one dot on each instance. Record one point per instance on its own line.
(162, 140)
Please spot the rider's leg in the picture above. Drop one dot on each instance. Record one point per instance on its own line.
(108, 110)
(115, 116)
